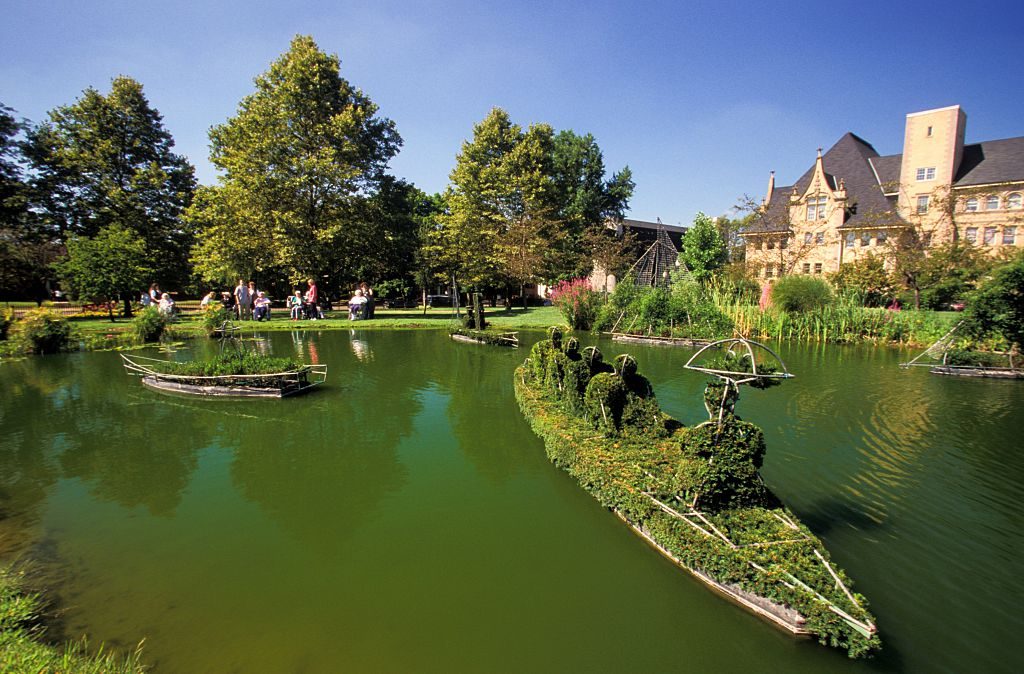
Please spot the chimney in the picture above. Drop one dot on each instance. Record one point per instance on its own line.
(771, 188)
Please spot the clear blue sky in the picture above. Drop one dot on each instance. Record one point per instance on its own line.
(700, 99)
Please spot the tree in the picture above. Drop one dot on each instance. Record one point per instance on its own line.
(110, 265)
(585, 200)
(299, 161)
(868, 277)
(107, 161)
(997, 306)
(703, 248)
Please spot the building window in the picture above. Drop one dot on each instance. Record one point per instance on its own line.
(971, 205)
(850, 236)
(816, 207)
(817, 267)
(771, 244)
(1013, 201)
(784, 243)
(769, 271)
(880, 237)
(807, 239)
(807, 267)
(865, 239)
(990, 235)
(971, 234)
(1009, 236)
(927, 173)
(819, 238)
(991, 203)
(922, 204)
(929, 132)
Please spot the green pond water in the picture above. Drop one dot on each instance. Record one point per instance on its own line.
(403, 518)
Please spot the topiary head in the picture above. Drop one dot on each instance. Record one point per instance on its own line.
(625, 365)
(572, 347)
(555, 335)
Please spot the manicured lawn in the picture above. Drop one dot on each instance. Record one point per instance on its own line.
(438, 319)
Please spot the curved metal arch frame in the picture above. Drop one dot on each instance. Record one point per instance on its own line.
(737, 378)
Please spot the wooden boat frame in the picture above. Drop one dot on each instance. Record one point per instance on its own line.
(269, 385)
(657, 341)
(500, 339)
(941, 365)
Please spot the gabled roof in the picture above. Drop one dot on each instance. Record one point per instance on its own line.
(992, 161)
(849, 161)
(888, 171)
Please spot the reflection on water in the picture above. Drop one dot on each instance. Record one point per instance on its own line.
(404, 517)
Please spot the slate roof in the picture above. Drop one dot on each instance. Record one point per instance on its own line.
(992, 161)
(849, 160)
(888, 170)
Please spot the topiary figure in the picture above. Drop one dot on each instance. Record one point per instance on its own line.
(721, 470)
(604, 400)
(595, 361)
(572, 348)
(555, 336)
(575, 379)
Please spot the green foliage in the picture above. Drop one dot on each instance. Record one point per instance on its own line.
(971, 358)
(800, 293)
(684, 309)
(229, 363)
(22, 645)
(717, 467)
(704, 251)
(149, 325)
(42, 331)
(997, 307)
(950, 272)
(6, 319)
(868, 279)
(302, 162)
(106, 266)
(213, 319)
(105, 162)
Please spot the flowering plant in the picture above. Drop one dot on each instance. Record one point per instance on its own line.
(577, 301)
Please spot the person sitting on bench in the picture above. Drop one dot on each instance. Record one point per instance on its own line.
(261, 308)
(357, 306)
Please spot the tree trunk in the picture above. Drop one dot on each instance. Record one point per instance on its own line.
(127, 298)
(522, 294)
(110, 310)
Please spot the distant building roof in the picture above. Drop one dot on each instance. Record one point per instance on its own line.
(991, 161)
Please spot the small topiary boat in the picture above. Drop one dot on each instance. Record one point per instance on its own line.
(694, 493)
(229, 375)
(494, 337)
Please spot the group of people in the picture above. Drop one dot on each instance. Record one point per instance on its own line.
(162, 301)
(248, 303)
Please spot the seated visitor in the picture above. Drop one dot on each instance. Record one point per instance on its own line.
(261, 307)
(166, 305)
(357, 306)
(207, 301)
(227, 300)
(295, 304)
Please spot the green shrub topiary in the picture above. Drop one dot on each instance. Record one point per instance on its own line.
(149, 325)
(798, 294)
(43, 331)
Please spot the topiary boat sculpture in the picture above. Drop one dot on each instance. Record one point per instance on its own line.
(232, 374)
(693, 493)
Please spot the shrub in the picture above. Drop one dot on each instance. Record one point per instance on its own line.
(578, 302)
(799, 294)
(214, 318)
(6, 319)
(149, 325)
(43, 331)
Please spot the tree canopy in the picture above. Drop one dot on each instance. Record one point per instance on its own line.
(299, 161)
(115, 263)
(107, 161)
(703, 248)
(997, 306)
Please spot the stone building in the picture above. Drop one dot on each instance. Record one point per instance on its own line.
(853, 202)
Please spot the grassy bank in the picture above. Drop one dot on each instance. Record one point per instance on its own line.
(22, 639)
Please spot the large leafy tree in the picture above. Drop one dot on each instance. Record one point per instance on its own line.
(298, 162)
(997, 306)
(107, 266)
(107, 161)
(704, 250)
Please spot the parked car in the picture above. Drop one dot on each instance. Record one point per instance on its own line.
(441, 301)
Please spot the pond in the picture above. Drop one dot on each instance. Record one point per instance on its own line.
(404, 517)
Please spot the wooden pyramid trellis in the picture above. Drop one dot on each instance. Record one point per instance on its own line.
(655, 266)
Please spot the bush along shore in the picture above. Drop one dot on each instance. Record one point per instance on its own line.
(693, 493)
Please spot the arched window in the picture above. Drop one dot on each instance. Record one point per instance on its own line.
(991, 202)
(971, 205)
(1014, 200)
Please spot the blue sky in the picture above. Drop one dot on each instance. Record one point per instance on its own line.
(700, 99)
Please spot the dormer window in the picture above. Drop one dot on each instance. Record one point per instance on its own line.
(992, 203)
(971, 205)
(816, 207)
(926, 173)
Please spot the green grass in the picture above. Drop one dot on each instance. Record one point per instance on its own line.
(385, 319)
(22, 639)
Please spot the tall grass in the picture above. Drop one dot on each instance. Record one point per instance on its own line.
(22, 648)
(842, 321)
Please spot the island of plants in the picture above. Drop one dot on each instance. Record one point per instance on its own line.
(233, 373)
(473, 328)
(695, 494)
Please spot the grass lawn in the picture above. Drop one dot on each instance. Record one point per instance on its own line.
(438, 319)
